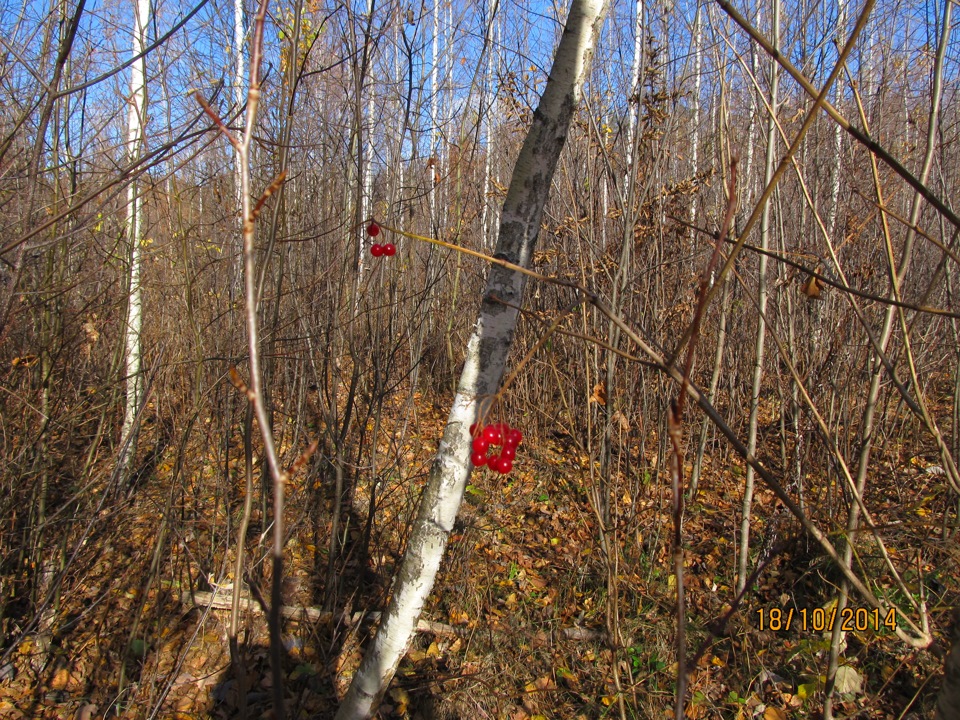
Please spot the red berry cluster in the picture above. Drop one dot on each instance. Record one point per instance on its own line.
(378, 250)
(492, 436)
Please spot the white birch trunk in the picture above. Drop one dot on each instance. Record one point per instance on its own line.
(488, 99)
(604, 191)
(762, 302)
(837, 130)
(697, 80)
(132, 332)
(365, 163)
(239, 98)
(397, 200)
(487, 139)
(747, 183)
(635, 83)
(485, 360)
(434, 164)
(446, 116)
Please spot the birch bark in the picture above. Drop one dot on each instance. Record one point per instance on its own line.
(486, 357)
(239, 98)
(837, 130)
(488, 99)
(635, 83)
(134, 326)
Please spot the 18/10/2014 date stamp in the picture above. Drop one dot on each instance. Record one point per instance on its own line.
(822, 620)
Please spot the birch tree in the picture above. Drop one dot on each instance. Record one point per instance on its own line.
(239, 98)
(135, 129)
(635, 84)
(488, 100)
(486, 356)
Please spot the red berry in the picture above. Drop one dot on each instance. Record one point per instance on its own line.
(478, 459)
(501, 464)
(493, 434)
(473, 429)
(514, 437)
(373, 229)
(389, 249)
(508, 452)
(481, 445)
(376, 250)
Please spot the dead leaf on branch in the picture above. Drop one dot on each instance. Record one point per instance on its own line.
(812, 287)
(599, 395)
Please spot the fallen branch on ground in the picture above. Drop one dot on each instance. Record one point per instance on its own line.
(223, 600)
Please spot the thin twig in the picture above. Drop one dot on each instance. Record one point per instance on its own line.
(217, 120)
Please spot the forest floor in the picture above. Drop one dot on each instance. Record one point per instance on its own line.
(520, 608)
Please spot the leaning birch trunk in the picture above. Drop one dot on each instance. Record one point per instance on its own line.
(486, 356)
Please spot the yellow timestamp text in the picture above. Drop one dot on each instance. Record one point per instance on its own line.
(821, 620)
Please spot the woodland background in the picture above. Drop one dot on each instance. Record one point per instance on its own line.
(831, 347)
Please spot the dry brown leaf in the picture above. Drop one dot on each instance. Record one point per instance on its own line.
(85, 712)
(458, 617)
(599, 395)
(619, 419)
(812, 287)
(61, 679)
(401, 699)
(9, 710)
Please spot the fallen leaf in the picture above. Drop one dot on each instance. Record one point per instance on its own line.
(85, 712)
(458, 617)
(568, 678)
(848, 680)
(402, 699)
(60, 680)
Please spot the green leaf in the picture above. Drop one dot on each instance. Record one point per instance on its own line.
(303, 670)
